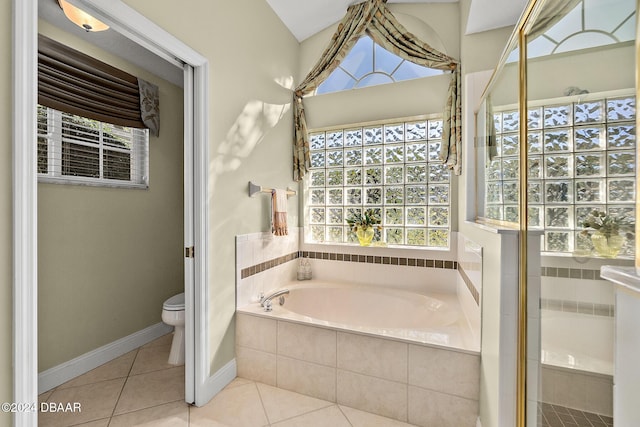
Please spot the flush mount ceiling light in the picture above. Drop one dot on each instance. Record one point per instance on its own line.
(81, 18)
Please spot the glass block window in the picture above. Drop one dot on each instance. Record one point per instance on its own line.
(392, 168)
(581, 158)
(74, 149)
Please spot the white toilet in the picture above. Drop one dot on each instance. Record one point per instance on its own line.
(173, 315)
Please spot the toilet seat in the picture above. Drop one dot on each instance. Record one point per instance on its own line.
(175, 303)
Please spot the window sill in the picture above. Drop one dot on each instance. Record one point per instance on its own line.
(91, 183)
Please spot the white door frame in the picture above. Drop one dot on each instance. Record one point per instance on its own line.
(25, 247)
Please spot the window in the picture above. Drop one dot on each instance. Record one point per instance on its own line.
(590, 24)
(368, 64)
(74, 149)
(581, 158)
(392, 168)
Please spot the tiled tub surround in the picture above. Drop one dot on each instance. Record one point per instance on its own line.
(415, 383)
(410, 381)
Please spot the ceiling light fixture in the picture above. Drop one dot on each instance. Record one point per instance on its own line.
(81, 18)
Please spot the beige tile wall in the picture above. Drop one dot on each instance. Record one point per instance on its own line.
(414, 383)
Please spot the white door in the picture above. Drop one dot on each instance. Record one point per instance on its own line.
(189, 260)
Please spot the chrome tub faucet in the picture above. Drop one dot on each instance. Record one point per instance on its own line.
(265, 301)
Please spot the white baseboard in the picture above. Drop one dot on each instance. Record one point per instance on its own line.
(214, 384)
(66, 371)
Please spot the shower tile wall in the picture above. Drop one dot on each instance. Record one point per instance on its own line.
(437, 273)
(273, 259)
(573, 285)
(469, 286)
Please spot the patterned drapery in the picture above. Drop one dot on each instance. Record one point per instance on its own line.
(373, 18)
(150, 106)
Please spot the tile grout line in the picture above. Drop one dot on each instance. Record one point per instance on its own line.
(123, 386)
(344, 415)
(264, 409)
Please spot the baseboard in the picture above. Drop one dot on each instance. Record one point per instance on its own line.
(66, 371)
(214, 384)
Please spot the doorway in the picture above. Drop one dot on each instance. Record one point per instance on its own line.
(142, 31)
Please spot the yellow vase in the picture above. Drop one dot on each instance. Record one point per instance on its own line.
(607, 247)
(365, 235)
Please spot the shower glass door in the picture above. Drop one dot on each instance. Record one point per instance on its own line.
(580, 178)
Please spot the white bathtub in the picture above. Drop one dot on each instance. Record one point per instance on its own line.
(435, 319)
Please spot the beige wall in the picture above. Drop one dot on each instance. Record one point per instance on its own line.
(109, 257)
(5, 214)
(253, 62)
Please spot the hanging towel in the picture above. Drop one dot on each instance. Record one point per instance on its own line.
(279, 208)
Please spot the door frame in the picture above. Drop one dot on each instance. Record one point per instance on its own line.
(24, 186)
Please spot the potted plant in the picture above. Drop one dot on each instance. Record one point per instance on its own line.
(606, 232)
(364, 224)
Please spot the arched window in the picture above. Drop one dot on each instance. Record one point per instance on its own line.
(590, 24)
(368, 64)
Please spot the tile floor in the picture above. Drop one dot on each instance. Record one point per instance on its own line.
(558, 416)
(141, 389)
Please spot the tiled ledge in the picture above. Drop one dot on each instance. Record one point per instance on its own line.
(371, 259)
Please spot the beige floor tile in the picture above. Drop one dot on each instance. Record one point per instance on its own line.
(96, 401)
(163, 340)
(151, 389)
(174, 414)
(238, 406)
(359, 418)
(282, 404)
(325, 417)
(152, 359)
(117, 368)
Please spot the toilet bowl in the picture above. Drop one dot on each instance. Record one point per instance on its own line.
(173, 315)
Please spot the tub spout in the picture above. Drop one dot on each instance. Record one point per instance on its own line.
(265, 301)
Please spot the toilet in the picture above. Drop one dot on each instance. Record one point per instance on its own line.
(173, 315)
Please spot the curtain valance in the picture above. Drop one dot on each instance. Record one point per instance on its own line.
(373, 18)
(76, 83)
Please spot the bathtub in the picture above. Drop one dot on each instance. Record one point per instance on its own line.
(434, 318)
(398, 354)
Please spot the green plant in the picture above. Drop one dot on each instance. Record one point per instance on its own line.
(606, 224)
(365, 220)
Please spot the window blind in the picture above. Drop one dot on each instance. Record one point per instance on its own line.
(81, 150)
(76, 83)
